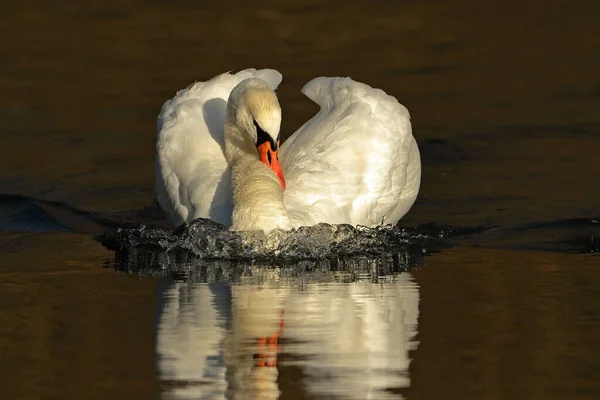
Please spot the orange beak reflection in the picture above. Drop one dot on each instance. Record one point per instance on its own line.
(270, 157)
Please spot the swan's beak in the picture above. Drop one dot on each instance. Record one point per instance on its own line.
(271, 158)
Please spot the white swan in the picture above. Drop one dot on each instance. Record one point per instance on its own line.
(218, 155)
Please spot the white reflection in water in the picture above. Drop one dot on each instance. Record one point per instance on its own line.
(189, 339)
(352, 340)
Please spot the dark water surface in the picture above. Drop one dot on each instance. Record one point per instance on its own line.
(504, 99)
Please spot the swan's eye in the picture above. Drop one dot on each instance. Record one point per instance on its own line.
(262, 137)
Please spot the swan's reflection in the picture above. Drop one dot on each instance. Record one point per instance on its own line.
(189, 341)
(351, 340)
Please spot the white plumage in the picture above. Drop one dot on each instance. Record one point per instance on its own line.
(354, 162)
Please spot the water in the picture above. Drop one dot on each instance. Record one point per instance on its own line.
(206, 240)
(504, 100)
(346, 334)
(487, 322)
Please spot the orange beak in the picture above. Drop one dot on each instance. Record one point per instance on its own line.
(270, 157)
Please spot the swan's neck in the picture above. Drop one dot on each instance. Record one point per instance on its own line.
(256, 191)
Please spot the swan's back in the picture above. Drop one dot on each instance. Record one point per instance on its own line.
(192, 177)
(355, 162)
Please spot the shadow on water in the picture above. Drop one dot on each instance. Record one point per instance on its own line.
(19, 213)
(25, 214)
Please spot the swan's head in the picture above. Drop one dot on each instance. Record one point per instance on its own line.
(253, 122)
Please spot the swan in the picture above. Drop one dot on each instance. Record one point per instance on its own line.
(219, 155)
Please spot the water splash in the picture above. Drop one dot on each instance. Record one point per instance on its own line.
(207, 240)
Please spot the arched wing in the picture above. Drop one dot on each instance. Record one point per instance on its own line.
(192, 177)
(355, 161)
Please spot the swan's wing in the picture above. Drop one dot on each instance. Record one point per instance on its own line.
(192, 178)
(355, 162)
